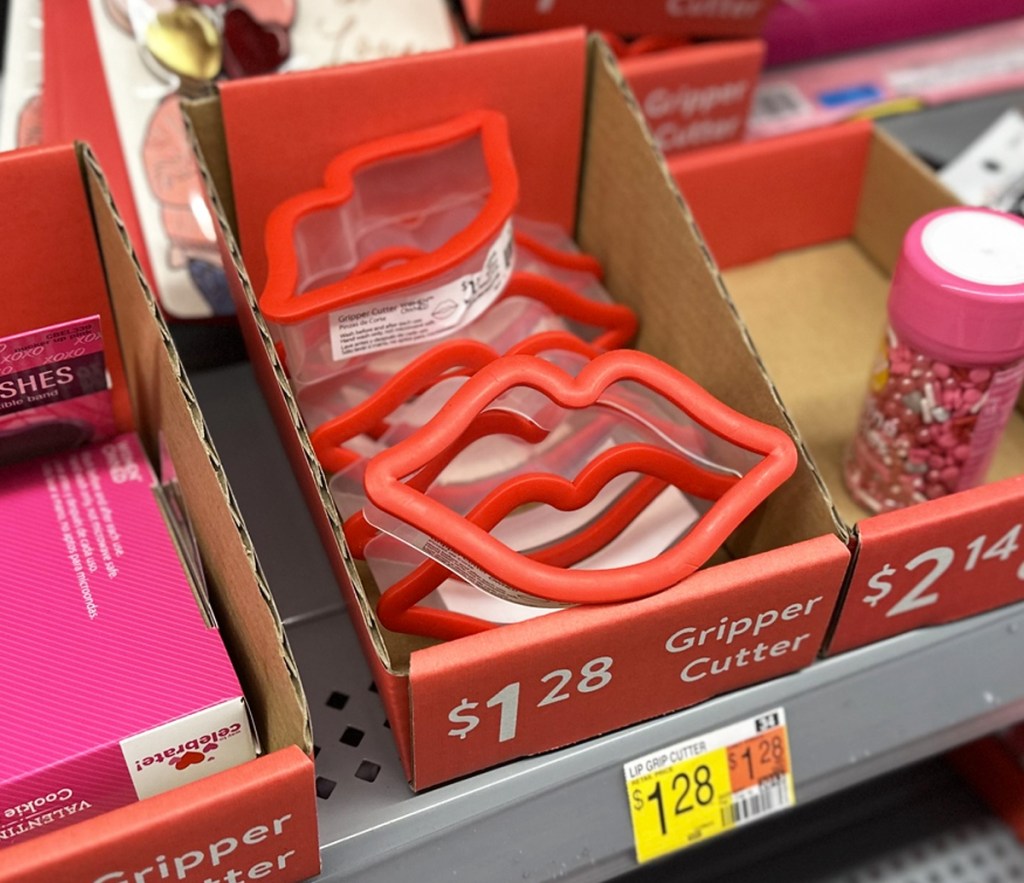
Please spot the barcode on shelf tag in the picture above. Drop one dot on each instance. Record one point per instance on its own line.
(693, 790)
(778, 102)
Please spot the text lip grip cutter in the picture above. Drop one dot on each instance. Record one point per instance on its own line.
(386, 473)
(418, 223)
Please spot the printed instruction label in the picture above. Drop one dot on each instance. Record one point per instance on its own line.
(691, 791)
(413, 319)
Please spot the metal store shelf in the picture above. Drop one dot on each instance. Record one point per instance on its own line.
(920, 824)
(563, 815)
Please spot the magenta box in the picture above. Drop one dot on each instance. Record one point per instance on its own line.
(816, 28)
(116, 683)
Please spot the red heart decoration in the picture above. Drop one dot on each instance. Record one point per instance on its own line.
(252, 48)
(188, 759)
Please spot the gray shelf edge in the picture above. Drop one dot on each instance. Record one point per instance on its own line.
(850, 718)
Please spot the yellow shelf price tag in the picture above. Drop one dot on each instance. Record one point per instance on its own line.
(693, 790)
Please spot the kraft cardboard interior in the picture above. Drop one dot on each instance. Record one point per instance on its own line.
(162, 401)
(817, 313)
(632, 219)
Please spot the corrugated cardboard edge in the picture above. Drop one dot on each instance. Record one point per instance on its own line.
(294, 726)
(606, 59)
(874, 227)
(885, 212)
(224, 213)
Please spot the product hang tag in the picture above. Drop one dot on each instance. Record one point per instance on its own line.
(423, 316)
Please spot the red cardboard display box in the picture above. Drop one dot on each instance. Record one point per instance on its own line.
(696, 96)
(994, 768)
(67, 256)
(685, 18)
(806, 230)
(585, 161)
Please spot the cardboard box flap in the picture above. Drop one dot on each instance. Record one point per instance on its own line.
(164, 401)
(677, 648)
(658, 254)
(773, 189)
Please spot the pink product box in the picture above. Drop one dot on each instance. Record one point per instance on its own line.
(117, 684)
(925, 72)
(54, 390)
(815, 28)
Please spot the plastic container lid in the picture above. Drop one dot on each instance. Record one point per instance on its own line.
(958, 290)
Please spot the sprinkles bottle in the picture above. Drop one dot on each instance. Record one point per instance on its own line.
(950, 368)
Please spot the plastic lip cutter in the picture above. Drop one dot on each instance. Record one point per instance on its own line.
(393, 478)
(410, 238)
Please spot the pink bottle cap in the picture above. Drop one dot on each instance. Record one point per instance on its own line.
(958, 290)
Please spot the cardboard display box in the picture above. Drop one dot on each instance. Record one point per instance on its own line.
(696, 96)
(67, 256)
(806, 230)
(585, 162)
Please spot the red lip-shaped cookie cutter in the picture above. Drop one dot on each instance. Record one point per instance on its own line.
(462, 356)
(480, 496)
(422, 214)
(280, 300)
(446, 360)
(394, 478)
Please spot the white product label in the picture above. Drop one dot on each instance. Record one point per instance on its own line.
(977, 246)
(777, 102)
(955, 72)
(990, 172)
(189, 749)
(412, 319)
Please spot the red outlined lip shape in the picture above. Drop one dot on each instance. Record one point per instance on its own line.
(448, 359)
(734, 498)
(280, 301)
(616, 324)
